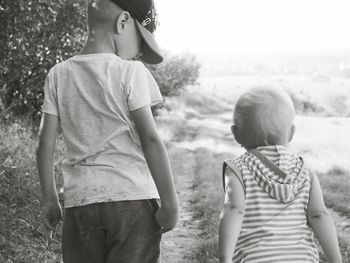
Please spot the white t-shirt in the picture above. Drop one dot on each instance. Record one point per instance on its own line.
(93, 95)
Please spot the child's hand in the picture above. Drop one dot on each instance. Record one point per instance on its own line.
(52, 212)
(167, 218)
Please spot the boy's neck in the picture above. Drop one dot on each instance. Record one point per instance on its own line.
(99, 41)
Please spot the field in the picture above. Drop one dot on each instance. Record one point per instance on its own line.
(196, 129)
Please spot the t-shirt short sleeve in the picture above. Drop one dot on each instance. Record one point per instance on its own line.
(50, 95)
(142, 89)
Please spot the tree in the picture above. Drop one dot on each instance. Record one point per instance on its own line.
(35, 35)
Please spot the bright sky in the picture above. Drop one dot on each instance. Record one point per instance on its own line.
(230, 26)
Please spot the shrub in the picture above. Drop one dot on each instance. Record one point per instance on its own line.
(35, 35)
(175, 73)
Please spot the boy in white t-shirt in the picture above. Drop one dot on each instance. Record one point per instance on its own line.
(116, 163)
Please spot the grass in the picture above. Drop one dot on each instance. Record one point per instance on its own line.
(323, 141)
(22, 235)
(336, 188)
(207, 203)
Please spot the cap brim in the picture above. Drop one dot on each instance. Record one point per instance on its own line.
(149, 47)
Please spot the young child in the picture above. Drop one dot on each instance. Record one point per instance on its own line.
(116, 163)
(273, 203)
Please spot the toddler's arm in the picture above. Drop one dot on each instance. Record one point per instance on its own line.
(231, 216)
(322, 224)
(45, 152)
(159, 165)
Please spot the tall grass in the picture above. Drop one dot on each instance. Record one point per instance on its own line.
(23, 237)
(336, 188)
(207, 203)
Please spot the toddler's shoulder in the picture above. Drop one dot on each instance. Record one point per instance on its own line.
(310, 171)
(233, 164)
(231, 167)
(234, 160)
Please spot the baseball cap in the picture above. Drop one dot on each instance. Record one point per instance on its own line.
(144, 13)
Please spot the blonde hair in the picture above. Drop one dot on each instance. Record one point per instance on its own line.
(263, 116)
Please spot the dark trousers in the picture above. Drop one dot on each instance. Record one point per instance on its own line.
(114, 232)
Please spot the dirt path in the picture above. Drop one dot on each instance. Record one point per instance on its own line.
(178, 244)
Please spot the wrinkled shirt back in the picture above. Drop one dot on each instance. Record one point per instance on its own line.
(93, 95)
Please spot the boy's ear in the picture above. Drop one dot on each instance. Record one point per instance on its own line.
(121, 22)
(291, 134)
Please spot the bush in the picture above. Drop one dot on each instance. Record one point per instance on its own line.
(35, 35)
(175, 73)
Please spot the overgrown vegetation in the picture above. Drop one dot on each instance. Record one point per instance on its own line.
(175, 73)
(36, 35)
(336, 187)
(23, 237)
(208, 201)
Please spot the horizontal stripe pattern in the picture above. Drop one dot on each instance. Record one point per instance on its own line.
(274, 227)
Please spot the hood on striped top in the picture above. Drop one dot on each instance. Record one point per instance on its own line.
(279, 187)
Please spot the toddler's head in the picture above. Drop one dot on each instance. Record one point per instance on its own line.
(263, 116)
(128, 24)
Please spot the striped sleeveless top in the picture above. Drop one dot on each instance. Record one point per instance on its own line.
(274, 227)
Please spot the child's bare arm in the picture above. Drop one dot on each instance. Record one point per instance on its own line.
(159, 165)
(322, 224)
(45, 154)
(231, 217)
